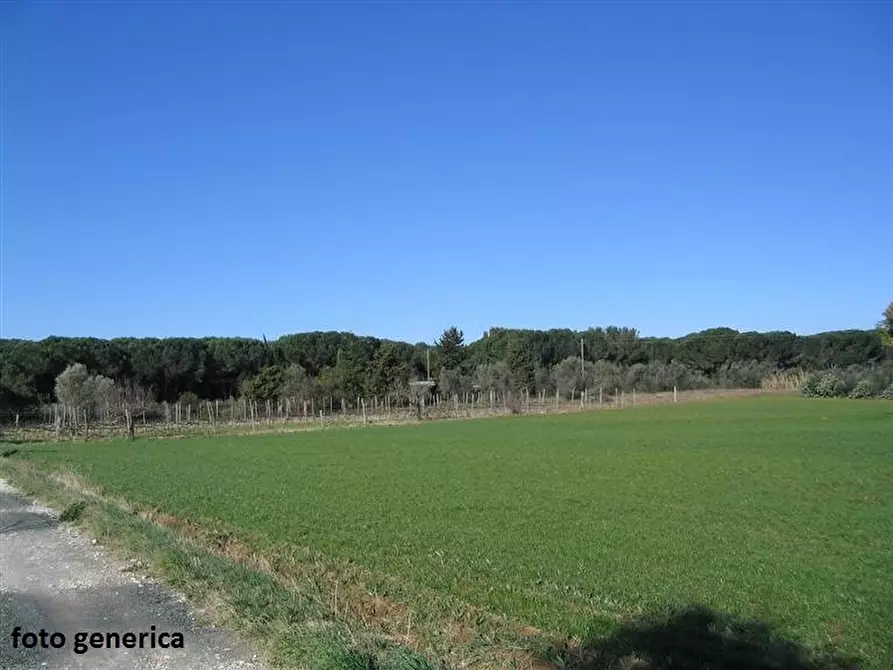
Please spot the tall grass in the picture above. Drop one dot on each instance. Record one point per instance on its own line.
(788, 380)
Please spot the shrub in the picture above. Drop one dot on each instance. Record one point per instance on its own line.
(881, 378)
(887, 393)
(854, 382)
(810, 385)
(73, 512)
(849, 377)
(831, 385)
(862, 389)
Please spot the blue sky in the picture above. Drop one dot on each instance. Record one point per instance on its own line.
(392, 169)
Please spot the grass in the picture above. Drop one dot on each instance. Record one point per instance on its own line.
(778, 510)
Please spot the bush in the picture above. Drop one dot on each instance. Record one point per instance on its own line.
(810, 385)
(831, 385)
(73, 512)
(887, 393)
(862, 389)
(881, 378)
(849, 377)
(854, 382)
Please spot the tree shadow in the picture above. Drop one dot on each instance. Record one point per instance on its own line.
(696, 638)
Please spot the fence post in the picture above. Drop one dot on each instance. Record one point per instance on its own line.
(128, 418)
(211, 418)
(675, 399)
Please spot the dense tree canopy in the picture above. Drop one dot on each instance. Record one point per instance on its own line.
(340, 364)
(885, 327)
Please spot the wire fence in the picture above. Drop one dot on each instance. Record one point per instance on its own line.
(237, 416)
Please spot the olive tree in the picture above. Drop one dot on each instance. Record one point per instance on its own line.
(296, 383)
(452, 383)
(76, 389)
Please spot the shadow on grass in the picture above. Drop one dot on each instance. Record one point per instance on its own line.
(696, 639)
(30, 446)
(15, 440)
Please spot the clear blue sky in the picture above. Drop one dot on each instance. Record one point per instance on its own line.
(392, 169)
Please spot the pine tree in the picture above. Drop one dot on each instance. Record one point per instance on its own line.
(451, 347)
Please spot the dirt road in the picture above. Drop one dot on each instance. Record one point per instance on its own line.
(52, 578)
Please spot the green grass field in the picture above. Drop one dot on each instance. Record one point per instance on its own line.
(778, 509)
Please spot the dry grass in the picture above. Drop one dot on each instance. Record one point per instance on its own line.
(784, 381)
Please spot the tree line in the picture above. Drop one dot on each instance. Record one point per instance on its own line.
(345, 365)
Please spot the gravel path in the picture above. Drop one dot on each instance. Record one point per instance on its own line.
(54, 578)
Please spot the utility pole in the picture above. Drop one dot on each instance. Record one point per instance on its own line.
(428, 362)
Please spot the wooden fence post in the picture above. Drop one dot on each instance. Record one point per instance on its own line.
(128, 418)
